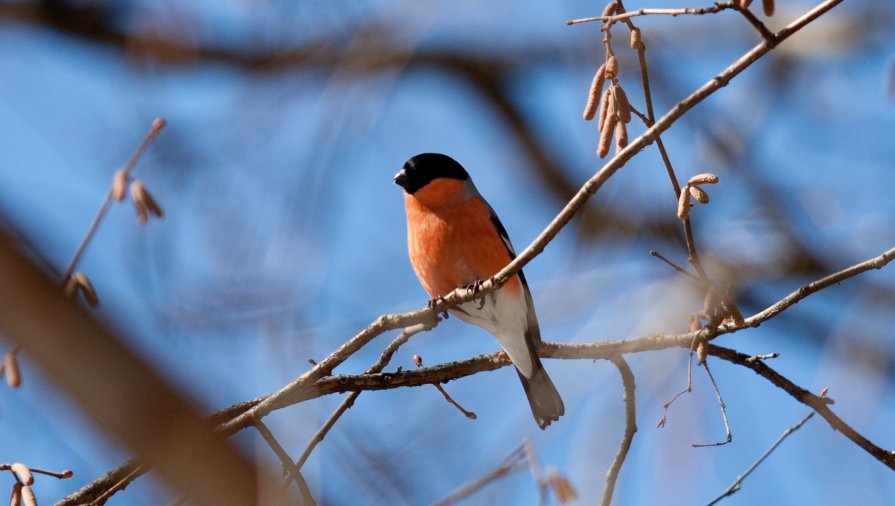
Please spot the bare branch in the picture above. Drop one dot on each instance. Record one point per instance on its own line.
(696, 11)
(468, 414)
(384, 359)
(729, 437)
(150, 136)
(80, 356)
(736, 484)
(519, 459)
(630, 428)
(686, 390)
(286, 461)
(817, 403)
(674, 266)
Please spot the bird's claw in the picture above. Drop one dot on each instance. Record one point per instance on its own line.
(473, 289)
(433, 303)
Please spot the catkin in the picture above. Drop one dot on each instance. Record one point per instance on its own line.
(706, 178)
(622, 104)
(683, 204)
(593, 96)
(699, 194)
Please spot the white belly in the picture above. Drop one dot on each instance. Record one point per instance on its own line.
(504, 316)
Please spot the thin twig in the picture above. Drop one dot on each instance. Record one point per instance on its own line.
(62, 476)
(729, 437)
(514, 462)
(718, 7)
(816, 286)
(384, 359)
(666, 159)
(674, 266)
(630, 428)
(765, 32)
(531, 458)
(153, 132)
(686, 390)
(739, 481)
(766, 356)
(818, 403)
(286, 461)
(468, 414)
(121, 484)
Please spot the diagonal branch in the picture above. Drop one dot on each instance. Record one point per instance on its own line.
(291, 469)
(737, 484)
(384, 359)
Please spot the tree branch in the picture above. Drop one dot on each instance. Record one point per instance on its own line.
(630, 428)
(736, 484)
(600, 350)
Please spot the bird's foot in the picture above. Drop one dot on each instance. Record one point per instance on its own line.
(433, 303)
(473, 289)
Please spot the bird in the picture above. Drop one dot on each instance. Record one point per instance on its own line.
(455, 239)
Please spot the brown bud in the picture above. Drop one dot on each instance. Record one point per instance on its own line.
(144, 202)
(138, 195)
(621, 137)
(824, 390)
(768, 6)
(609, 9)
(593, 96)
(119, 185)
(683, 204)
(68, 473)
(23, 474)
(706, 178)
(636, 41)
(622, 104)
(11, 369)
(28, 496)
(611, 67)
(606, 136)
(563, 489)
(86, 288)
(702, 351)
(153, 206)
(418, 360)
(15, 499)
(699, 194)
(605, 106)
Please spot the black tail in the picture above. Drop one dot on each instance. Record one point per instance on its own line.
(546, 404)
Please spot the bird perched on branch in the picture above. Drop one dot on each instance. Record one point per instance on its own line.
(456, 240)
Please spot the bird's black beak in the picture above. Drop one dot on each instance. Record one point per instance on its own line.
(401, 179)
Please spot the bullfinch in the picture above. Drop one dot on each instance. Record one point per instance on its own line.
(456, 240)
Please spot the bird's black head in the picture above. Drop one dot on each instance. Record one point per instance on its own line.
(423, 169)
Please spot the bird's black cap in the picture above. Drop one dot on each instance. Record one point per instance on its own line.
(424, 168)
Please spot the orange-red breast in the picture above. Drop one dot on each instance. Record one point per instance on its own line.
(455, 239)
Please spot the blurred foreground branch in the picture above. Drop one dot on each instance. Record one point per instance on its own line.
(123, 396)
